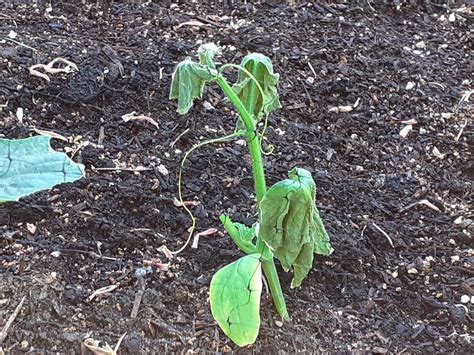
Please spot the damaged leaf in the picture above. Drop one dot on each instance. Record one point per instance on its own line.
(291, 226)
(188, 83)
(261, 68)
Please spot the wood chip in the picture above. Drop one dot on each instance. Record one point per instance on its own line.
(103, 290)
(132, 116)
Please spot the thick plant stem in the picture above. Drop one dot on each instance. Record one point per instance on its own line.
(260, 188)
(275, 287)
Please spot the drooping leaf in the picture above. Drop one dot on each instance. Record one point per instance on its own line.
(235, 299)
(188, 83)
(261, 68)
(206, 53)
(30, 165)
(291, 226)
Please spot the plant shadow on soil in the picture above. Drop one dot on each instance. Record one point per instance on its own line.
(369, 295)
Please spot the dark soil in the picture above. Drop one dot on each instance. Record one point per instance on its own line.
(58, 247)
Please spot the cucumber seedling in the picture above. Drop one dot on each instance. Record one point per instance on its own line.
(289, 227)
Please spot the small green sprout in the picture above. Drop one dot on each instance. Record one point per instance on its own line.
(289, 227)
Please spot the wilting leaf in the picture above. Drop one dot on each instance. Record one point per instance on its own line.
(291, 226)
(188, 83)
(235, 299)
(261, 68)
(30, 165)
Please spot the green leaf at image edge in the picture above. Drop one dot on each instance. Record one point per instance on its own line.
(235, 299)
(30, 165)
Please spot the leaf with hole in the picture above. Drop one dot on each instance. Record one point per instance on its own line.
(30, 165)
(235, 299)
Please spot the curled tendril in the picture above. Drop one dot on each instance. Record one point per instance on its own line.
(180, 182)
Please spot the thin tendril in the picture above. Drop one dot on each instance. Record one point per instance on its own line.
(271, 147)
(180, 181)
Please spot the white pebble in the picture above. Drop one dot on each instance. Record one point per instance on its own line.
(410, 85)
(162, 169)
(420, 45)
(465, 299)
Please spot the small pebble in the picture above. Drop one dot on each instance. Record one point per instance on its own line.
(162, 169)
(410, 85)
(465, 299)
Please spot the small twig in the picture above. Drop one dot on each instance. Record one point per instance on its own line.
(117, 346)
(103, 290)
(384, 233)
(179, 137)
(461, 130)
(421, 202)
(312, 69)
(8, 324)
(21, 44)
(138, 168)
(138, 297)
(50, 69)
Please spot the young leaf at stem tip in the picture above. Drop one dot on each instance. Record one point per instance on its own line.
(235, 299)
(291, 226)
(261, 68)
(206, 53)
(188, 83)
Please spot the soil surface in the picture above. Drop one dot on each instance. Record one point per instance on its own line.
(396, 208)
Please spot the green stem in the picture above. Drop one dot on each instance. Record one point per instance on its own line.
(260, 189)
(275, 287)
(252, 139)
(252, 95)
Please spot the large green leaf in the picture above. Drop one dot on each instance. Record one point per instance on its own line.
(30, 165)
(291, 226)
(261, 68)
(235, 299)
(188, 82)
